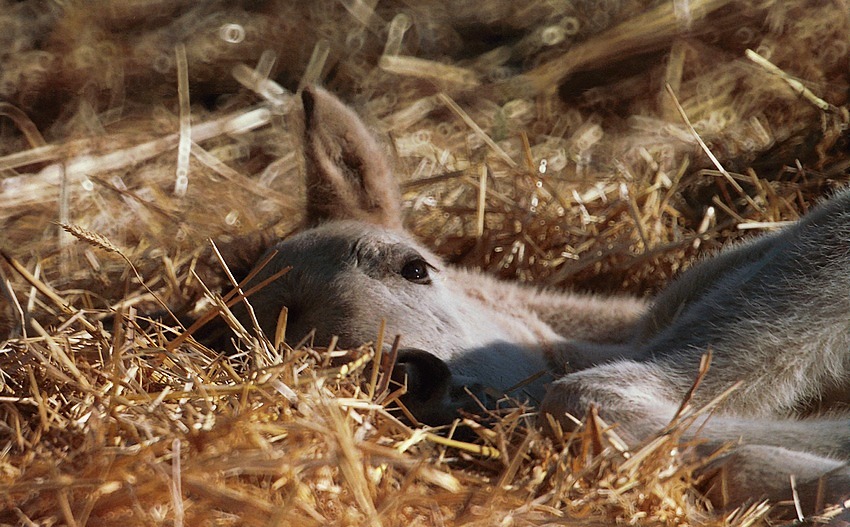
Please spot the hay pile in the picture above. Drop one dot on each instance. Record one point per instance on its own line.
(536, 140)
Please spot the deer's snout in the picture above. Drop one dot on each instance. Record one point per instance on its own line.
(435, 395)
(426, 375)
(427, 379)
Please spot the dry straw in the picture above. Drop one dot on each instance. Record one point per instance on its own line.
(534, 140)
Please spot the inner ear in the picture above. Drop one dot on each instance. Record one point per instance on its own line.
(308, 101)
(348, 173)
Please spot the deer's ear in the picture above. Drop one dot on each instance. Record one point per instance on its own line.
(348, 175)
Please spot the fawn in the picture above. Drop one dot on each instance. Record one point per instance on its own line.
(774, 312)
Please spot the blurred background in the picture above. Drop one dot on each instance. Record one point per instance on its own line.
(537, 140)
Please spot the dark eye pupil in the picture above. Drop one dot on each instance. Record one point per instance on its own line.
(415, 270)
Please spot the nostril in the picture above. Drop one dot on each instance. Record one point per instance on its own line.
(427, 376)
(294, 330)
(476, 390)
(292, 315)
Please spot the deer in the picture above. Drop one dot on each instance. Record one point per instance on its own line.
(774, 312)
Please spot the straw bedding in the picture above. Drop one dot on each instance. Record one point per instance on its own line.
(549, 142)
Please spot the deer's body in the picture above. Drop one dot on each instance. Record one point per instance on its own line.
(775, 313)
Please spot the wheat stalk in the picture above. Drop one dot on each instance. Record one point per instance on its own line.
(102, 242)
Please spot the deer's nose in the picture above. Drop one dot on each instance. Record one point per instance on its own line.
(434, 395)
(427, 376)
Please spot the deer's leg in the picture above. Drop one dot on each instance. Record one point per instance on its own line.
(630, 393)
(763, 471)
(642, 398)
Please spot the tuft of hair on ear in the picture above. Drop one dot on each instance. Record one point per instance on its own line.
(348, 173)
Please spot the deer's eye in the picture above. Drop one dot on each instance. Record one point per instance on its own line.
(416, 271)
